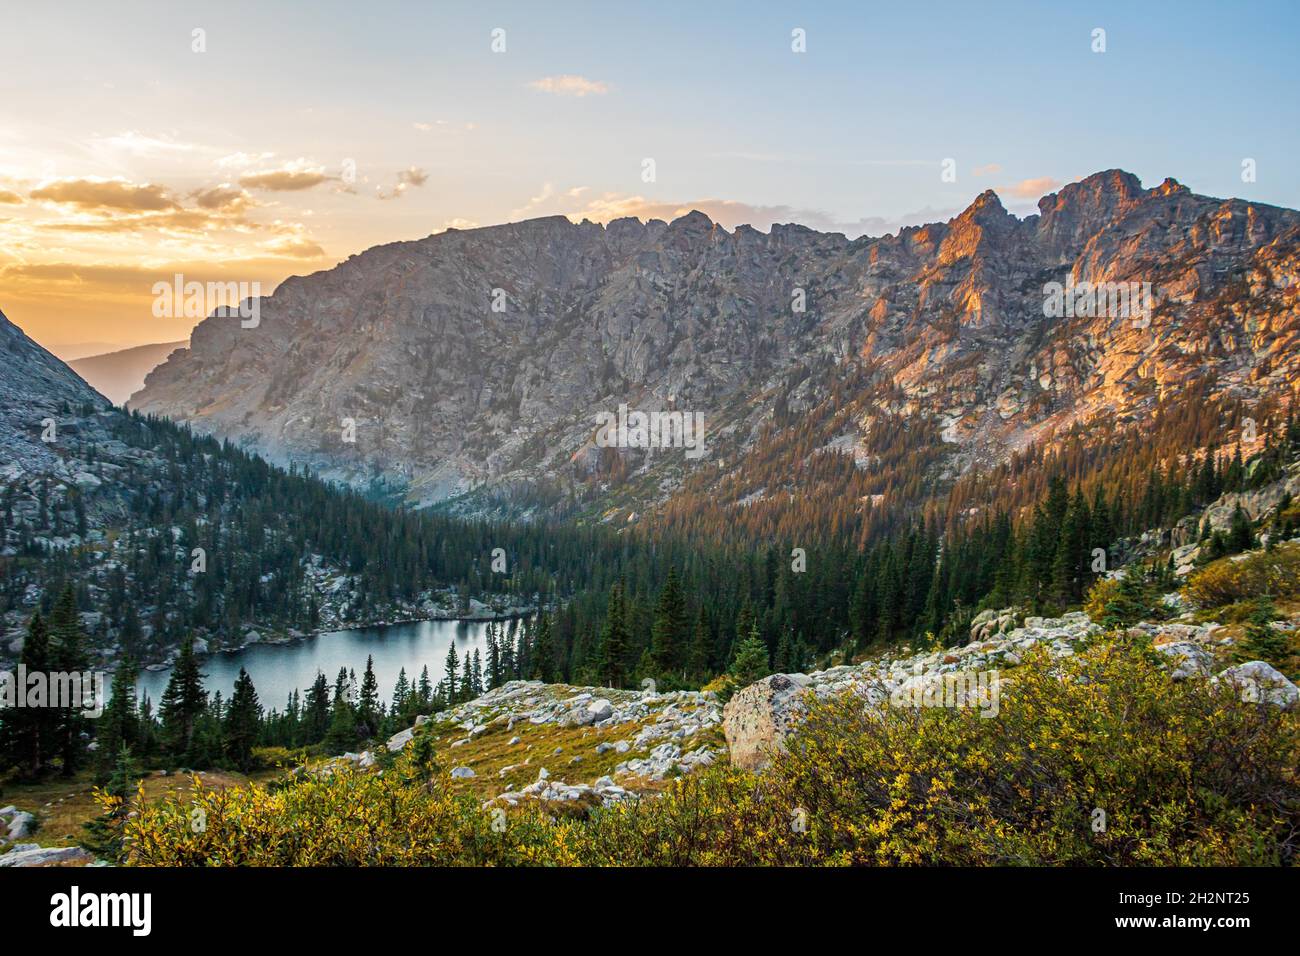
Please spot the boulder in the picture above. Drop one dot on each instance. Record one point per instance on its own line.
(398, 741)
(600, 709)
(758, 718)
(1261, 682)
(462, 773)
(32, 854)
(1186, 659)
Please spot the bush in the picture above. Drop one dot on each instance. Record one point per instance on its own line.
(1123, 601)
(1185, 773)
(1275, 572)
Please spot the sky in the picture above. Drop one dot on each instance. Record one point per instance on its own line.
(253, 141)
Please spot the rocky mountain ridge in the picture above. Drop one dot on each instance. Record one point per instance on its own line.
(472, 365)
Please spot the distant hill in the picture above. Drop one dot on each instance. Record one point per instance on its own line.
(119, 375)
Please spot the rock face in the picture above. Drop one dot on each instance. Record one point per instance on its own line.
(477, 361)
(759, 718)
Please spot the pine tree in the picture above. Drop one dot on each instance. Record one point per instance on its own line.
(316, 711)
(104, 833)
(368, 704)
(700, 662)
(448, 688)
(183, 702)
(243, 719)
(1240, 535)
(544, 651)
(750, 662)
(28, 735)
(119, 725)
(1262, 641)
(614, 641)
(401, 693)
(68, 656)
(668, 633)
(342, 734)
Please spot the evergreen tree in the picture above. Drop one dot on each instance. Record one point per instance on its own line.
(183, 702)
(750, 662)
(700, 662)
(68, 656)
(119, 725)
(668, 633)
(544, 651)
(1262, 641)
(368, 703)
(28, 735)
(449, 689)
(243, 718)
(614, 640)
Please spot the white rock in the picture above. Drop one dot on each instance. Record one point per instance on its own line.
(1259, 681)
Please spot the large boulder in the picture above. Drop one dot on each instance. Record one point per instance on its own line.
(758, 718)
(1187, 659)
(16, 823)
(1261, 682)
(32, 854)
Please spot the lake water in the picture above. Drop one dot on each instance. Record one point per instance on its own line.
(277, 669)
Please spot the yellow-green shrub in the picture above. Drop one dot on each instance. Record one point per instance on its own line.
(1276, 573)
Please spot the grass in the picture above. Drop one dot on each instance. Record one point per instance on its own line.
(500, 766)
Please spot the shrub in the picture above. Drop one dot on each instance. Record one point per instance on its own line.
(1275, 572)
(1123, 601)
(1185, 773)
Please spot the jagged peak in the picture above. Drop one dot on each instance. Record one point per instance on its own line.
(692, 220)
(1170, 187)
(1105, 187)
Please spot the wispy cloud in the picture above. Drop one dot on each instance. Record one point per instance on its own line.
(570, 84)
(411, 177)
(291, 177)
(92, 192)
(1031, 188)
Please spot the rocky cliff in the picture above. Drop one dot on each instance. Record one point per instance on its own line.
(479, 360)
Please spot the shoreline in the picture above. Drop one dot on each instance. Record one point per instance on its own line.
(286, 640)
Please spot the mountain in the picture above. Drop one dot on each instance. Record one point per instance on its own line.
(164, 535)
(36, 388)
(119, 375)
(944, 327)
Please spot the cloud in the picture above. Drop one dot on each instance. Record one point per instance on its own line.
(95, 193)
(292, 177)
(569, 84)
(293, 247)
(412, 176)
(992, 169)
(10, 197)
(142, 144)
(1031, 188)
(223, 198)
(243, 160)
